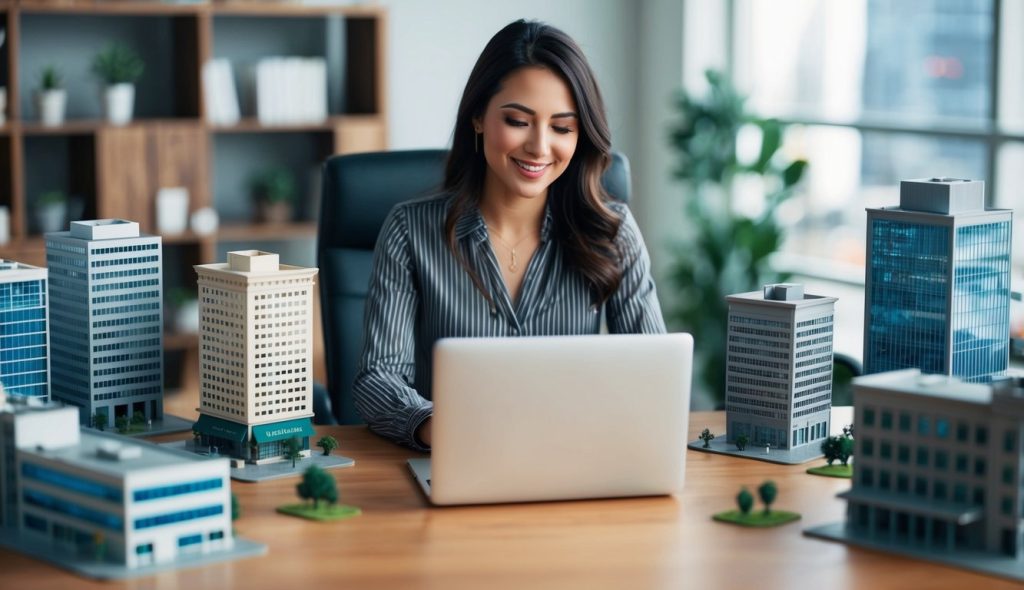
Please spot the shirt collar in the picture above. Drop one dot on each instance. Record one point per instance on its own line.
(472, 224)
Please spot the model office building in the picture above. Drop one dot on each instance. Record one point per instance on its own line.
(255, 346)
(24, 358)
(778, 388)
(939, 463)
(938, 282)
(116, 499)
(106, 319)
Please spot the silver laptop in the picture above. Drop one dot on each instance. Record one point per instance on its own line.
(557, 418)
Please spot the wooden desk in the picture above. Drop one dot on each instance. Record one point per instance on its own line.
(668, 542)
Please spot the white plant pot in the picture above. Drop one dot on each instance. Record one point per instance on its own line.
(50, 105)
(172, 210)
(119, 100)
(52, 217)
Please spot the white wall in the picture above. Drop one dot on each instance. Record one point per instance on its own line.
(432, 46)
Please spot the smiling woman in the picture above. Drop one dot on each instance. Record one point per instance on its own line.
(521, 241)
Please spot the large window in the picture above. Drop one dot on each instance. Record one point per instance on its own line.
(880, 91)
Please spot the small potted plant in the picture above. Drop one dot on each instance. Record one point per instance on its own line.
(184, 310)
(119, 66)
(273, 191)
(51, 99)
(51, 211)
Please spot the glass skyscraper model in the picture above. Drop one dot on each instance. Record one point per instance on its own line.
(938, 282)
(778, 388)
(106, 319)
(256, 351)
(24, 358)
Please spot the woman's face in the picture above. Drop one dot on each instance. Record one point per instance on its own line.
(530, 129)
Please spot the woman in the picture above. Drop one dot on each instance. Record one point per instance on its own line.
(522, 241)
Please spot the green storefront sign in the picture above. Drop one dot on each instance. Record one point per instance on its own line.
(220, 428)
(298, 428)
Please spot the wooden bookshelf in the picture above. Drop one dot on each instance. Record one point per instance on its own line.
(116, 171)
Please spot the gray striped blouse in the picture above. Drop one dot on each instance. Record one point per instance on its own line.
(419, 294)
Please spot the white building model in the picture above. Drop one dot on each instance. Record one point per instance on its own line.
(81, 492)
(255, 344)
(778, 388)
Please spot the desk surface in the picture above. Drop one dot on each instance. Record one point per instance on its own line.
(400, 542)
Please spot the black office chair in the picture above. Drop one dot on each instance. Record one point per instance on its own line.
(358, 192)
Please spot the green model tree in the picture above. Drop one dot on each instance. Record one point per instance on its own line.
(707, 437)
(839, 447)
(293, 450)
(138, 419)
(745, 500)
(317, 485)
(99, 421)
(236, 508)
(768, 492)
(742, 441)
(122, 423)
(328, 444)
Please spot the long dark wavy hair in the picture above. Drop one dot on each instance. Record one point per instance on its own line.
(583, 224)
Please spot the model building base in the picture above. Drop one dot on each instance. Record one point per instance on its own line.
(757, 518)
(325, 513)
(782, 456)
(87, 566)
(840, 471)
(976, 561)
(255, 473)
(167, 425)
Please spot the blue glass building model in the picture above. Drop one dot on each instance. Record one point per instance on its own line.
(24, 358)
(938, 282)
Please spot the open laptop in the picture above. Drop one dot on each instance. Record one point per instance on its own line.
(557, 418)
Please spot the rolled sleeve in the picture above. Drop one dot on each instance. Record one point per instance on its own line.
(634, 307)
(383, 391)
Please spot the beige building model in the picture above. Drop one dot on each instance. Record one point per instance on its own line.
(255, 345)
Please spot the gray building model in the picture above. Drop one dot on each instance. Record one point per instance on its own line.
(939, 471)
(778, 388)
(938, 282)
(106, 319)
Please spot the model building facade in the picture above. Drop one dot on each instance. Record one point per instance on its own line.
(123, 501)
(939, 463)
(779, 366)
(106, 316)
(256, 344)
(938, 282)
(24, 334)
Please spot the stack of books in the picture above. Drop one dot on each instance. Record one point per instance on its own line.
(291, 90)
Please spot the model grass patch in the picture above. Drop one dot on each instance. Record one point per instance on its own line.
(758, 519)
(748, 517)
(843, 471)
(324, 513)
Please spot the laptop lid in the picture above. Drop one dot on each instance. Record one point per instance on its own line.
(561, 417)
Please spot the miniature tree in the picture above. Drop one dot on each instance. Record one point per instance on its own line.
(745, 500)
(830, 448)
(328, 444)
(742, 441)
(99, 421)
(138, 419)
(845, 449)
(293, 450)
(122, 423)
(707, 437)
(236, 508)
(767, 491)
(317, 485)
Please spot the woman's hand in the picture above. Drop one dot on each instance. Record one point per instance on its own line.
(423, 432)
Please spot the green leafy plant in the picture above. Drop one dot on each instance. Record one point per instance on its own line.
(741, 442)
(768, 492)
(292, 450)
(726, 251)
(118, 64)
(707, 437)
(50, 78)
(317, 485)
(745, 501)
(54, 197)
(274, 185)
(328, 444)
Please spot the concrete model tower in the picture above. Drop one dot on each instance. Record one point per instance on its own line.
(24, 358)
(938, 470)
(938, 282)
(778, 376)
(106, 316)
(255, 345)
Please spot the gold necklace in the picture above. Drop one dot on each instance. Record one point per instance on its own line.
(513, 265)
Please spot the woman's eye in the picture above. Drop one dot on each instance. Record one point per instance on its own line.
(515, 122)
(562, 130)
